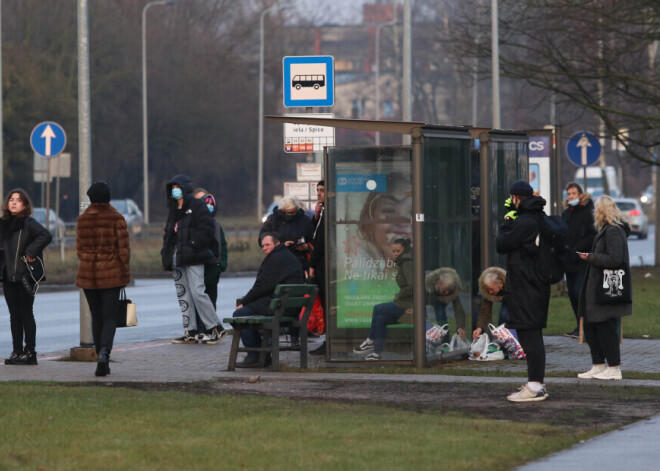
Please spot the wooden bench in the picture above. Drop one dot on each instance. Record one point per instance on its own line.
(286, 296)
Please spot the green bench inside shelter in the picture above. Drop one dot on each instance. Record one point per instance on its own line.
(286, 296)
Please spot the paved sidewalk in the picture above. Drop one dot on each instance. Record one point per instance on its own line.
(161, 361)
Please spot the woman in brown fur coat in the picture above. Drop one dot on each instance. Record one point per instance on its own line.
(103, 249)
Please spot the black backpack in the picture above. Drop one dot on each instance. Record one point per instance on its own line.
(549, 266)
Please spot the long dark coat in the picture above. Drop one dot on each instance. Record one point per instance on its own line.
(527, 297)
(103, 248)
(581, 233)
(610, 250)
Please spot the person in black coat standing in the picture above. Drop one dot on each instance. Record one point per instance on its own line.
(187, 246)
(579, 217)
(22, 240)
(317, 259)
(279, 267)
(527, 297)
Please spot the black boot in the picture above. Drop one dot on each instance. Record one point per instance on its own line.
(29, 357)
(13, 357)
(102, 366)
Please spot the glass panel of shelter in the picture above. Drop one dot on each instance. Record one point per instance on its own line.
(369, 206)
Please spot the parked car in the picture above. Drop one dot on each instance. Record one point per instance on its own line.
(638, 221)
(134, 217)
(55, 224)
(647, 197)
(269, 211)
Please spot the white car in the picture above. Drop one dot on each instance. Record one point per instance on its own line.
(55, 225)
(638, 221)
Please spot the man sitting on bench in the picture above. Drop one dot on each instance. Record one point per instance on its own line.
(279, 267)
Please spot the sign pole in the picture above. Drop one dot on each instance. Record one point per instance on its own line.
(584, 178)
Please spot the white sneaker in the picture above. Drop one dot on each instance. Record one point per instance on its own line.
(524, 394)
(595, 369)
(364, 347)
(611, 373)
(373, 356)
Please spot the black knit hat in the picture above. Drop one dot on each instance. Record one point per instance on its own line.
(521, 188)
(99, 192)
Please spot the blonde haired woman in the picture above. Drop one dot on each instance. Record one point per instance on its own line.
(610, 251)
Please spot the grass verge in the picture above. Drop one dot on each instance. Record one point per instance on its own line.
(48, 426)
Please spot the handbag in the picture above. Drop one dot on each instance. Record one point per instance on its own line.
(615, 288)
(127, 315)
(35, 275)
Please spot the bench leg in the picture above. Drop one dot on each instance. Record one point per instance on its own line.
(303, 347)
(275, 348)
(233, 353)
(265, 340)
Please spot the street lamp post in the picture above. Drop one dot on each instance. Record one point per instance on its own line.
(377, 60)
(260, 117)
(145, 138)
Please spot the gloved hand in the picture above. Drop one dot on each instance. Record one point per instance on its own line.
(512, 214)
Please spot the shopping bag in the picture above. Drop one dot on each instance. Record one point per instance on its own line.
(315, 321)
(507, 340)
(127, 315)
(458, 343)
(478, 346)
(493, 352)
(436, 333)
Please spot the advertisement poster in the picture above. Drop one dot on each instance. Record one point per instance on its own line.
(374, 208)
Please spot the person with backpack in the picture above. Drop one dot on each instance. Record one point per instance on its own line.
(579, 217)
(527, 295)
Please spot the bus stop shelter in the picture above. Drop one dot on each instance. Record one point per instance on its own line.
(445, 192)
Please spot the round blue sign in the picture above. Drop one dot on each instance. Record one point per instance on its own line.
(48, 139)
(583, 149)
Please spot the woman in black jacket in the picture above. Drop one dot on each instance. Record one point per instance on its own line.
(610, 251)
(23, 240)
(579, 217)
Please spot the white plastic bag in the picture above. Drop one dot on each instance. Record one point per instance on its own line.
(493, 352)
(436, 334)
(478, 346)
(458, 343)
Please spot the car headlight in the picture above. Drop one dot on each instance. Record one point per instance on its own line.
(644, 199)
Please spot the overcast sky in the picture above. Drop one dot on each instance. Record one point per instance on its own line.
(333, 11)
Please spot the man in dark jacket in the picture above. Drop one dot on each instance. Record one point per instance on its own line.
(579, 217)
(189, 233)
(317, 259)
(279, 267)
(527, 297)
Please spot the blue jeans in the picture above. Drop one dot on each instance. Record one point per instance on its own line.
(383, 315)
(574, 285)
(250, 338)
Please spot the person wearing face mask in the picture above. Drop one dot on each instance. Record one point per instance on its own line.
(527, 296)
(579, 217)
(214, 268)
(187, 246)
(291, 225)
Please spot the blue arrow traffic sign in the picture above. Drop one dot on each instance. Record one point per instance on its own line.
(583, 149)
(48, 139)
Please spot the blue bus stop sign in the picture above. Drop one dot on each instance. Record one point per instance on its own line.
(48, 139)
(583, 149)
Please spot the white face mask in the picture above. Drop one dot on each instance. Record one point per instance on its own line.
(574, 202)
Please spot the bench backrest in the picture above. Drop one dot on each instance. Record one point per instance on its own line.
(294, 296)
